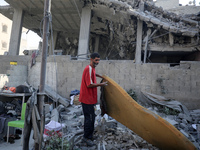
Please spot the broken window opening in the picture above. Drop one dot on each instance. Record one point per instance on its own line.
(4, 28)
(173, 58)
(4, 45)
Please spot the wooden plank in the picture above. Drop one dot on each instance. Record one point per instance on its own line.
(141, 121)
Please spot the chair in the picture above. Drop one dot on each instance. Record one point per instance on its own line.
(18, 123)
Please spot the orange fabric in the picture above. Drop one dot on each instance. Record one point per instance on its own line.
(13, 89)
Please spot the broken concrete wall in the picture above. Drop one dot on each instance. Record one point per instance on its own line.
(13, 74)
(179, 82)
(115, 32)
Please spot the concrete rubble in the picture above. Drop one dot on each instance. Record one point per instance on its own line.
(118, 34)
(113, 135)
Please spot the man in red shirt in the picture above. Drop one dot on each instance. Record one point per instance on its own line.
(88, 97)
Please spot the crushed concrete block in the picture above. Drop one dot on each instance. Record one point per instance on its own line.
(46, 108)
(111, 124)
(111, 137)
(55, 115)
(75, 124)
(173, 122)
(109, 134)
(64, 116)
(184, 121)
(183, 126)
(60, 108)
(81, 119)
(183, 116)
(78, 113)
(48, 115)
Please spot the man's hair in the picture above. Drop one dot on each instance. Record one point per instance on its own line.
(94, 55)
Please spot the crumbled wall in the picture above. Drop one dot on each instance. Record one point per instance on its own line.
(117, 36)
(177, 82)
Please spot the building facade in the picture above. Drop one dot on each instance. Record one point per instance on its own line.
(5, 32)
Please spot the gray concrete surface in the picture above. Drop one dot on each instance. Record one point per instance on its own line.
(178, 82)
(17, 145)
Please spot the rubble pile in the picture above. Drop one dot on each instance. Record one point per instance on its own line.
(116, 28)
(111, 134)
(185, 123)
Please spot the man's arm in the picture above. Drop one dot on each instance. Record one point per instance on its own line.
(99, 76)
(97, 84)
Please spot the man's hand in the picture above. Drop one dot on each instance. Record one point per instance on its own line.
(104, 83)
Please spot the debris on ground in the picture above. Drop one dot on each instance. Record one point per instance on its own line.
(110, 134)
(177, 114)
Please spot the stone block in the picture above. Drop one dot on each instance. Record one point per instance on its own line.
(183, 126)
(60, 108)
(185, 89)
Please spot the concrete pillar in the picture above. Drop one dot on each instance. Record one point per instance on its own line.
(138, 53)
(16, 32)
(84, 35)
(96, 44)
(55, 33)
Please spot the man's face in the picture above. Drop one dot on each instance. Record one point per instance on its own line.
(95, 61)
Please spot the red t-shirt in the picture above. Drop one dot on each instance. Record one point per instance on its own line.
(88, 95)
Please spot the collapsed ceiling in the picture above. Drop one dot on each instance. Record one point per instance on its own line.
(115, 23)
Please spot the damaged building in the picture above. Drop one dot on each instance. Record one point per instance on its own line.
(171, 38)
(143, 47)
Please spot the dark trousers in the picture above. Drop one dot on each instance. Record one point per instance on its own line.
(89, 119)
